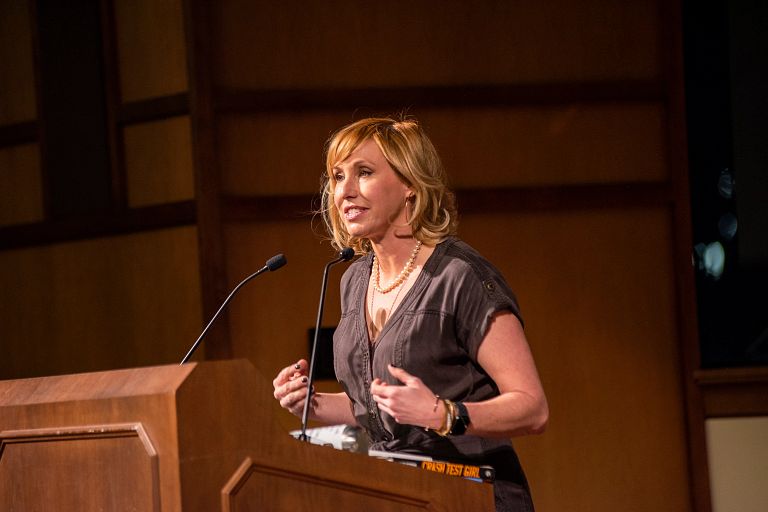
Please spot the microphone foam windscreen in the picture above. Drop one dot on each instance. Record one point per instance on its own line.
(275, 262)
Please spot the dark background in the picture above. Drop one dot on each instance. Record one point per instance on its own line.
(726, 56)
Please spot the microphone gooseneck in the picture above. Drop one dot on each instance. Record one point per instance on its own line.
(273, 263)
(345, 254)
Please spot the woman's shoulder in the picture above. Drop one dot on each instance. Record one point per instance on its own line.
(460, 257)
(476, 277)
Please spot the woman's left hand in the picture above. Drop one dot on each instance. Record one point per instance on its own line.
(413, 403)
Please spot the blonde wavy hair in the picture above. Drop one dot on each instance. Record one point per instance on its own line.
(414, 159)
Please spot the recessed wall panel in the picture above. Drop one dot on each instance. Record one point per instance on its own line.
(282, 154)
(596, 291)
(151, 48)
(17, 77)
(21, 192)
(549, 146)
(158, 162)
(275, 154)
(346, 43)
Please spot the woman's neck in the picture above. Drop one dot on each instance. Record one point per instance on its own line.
(394, 255)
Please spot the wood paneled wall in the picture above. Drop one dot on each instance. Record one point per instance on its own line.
(596, 292)
(113, 302)
(121, 287)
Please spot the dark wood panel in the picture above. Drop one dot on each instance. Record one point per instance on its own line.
(734, 391)
(74, 144)
(340, 43)
(79, 228)
(568, 197)
(17, 134)
(232, 100)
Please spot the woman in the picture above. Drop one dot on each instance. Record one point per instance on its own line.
(430, 348)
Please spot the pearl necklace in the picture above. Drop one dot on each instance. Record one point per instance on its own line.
(402, 276)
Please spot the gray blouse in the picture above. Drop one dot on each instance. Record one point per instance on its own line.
(434, 334)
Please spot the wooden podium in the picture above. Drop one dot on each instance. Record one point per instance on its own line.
(193, 437)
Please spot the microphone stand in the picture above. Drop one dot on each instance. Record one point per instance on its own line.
(273, 263)
(344, 255)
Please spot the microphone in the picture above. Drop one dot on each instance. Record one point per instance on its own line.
(345, 254)
(273, 263)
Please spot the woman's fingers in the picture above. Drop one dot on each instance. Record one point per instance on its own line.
(290, 372)
(403, 376)
(290, 400)
(293, 395)
(290, 386)
(379, 387)
(410, 403)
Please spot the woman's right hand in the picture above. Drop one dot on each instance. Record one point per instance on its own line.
(291, 387)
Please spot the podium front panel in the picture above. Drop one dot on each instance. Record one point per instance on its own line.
(97, 467)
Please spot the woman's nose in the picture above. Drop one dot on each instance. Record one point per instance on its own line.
(349, 188)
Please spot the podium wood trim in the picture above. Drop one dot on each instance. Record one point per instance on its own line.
(250, 470)
(78, 432)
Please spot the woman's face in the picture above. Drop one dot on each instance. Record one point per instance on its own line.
(368, 194)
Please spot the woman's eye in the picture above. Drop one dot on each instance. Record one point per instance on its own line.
(364, 171)
(338, 177)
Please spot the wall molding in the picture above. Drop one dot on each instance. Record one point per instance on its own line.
(243, 209)
(19, 133)
(91, 226)
(732, 392)
(475, 201)
(153, 109)
(233, 100)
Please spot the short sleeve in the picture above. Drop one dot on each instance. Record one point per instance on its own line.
(481, 292)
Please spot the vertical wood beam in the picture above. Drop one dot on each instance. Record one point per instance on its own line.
(688, 335)
(113, 100)
(213, 276)
(40, 133)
